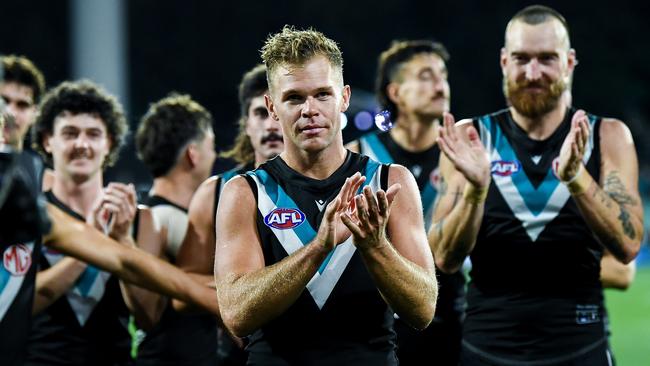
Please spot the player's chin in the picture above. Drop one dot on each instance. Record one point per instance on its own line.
(78, 176)
(270, 153)
(81, 171)
(433, 114)
(314, 144)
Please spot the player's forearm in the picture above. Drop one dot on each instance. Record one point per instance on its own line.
(251, 300)
(129, 264)
(618, 226)
(145, 306)
(132, 265)
(147, 271)
(614, 274)
(202, 279)
(55, 281)
(410, 290)
(453, 236)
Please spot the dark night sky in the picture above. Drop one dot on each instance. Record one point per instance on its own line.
(203, 47)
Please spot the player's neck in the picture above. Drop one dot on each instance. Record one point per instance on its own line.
(413, 134)
(176, 188)
(259, 162)
(317, 165)
(259, 159)
(78, 195)
(540, 128)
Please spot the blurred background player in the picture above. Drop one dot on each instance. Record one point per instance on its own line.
(21, 86)
(259, 139)
(20, 242)
(412, 85)
(175, 141)
(80, 312)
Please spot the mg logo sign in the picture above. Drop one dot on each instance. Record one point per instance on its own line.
(284, 218)
(505, 168)
(17, 259)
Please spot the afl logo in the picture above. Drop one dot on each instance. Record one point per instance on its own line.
(505, 168)
(284, 218)
(17, 259)
(434, 178)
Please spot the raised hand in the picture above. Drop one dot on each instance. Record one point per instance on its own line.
(332, 231)
(467, 154)
(573, 147)
(114, 210)
(368, 226)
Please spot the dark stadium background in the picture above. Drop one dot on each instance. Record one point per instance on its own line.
(203, 47)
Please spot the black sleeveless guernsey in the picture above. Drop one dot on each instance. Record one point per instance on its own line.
(535, 296)
(340, 318)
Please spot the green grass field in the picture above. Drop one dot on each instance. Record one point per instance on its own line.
(630, 321)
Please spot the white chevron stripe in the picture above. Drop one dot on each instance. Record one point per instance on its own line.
(321, 285)
(534, 225)
(83, 306)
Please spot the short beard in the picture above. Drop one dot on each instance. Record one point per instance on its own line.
(530, 105)
(429, 117)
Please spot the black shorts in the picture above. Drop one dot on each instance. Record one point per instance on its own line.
(439, 343)
(598, 356)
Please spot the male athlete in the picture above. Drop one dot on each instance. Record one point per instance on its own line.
(175, 141)
(81, 314)
(536, 193)
(259, 139)
(317, 247)
(21, 86)
(21, 245)
(412, 85)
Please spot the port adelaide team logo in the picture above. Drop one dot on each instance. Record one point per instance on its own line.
(505, 168)
(284, 218)
(17, 259)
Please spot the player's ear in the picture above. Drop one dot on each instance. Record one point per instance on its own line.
(346, 94)
(192, 154)
(271, 107)
(46, 143)
(392, 92)
(503, 60)
(572, 60)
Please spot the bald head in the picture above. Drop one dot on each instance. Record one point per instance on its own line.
(533, 17)
(546, 36)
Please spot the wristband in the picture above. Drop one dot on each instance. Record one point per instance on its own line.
(575, 177)
(577, 185)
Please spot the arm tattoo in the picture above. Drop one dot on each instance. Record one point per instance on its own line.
(601, 196)
(615, 189)
(443, 190)
(443, 186)
(628, 228)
